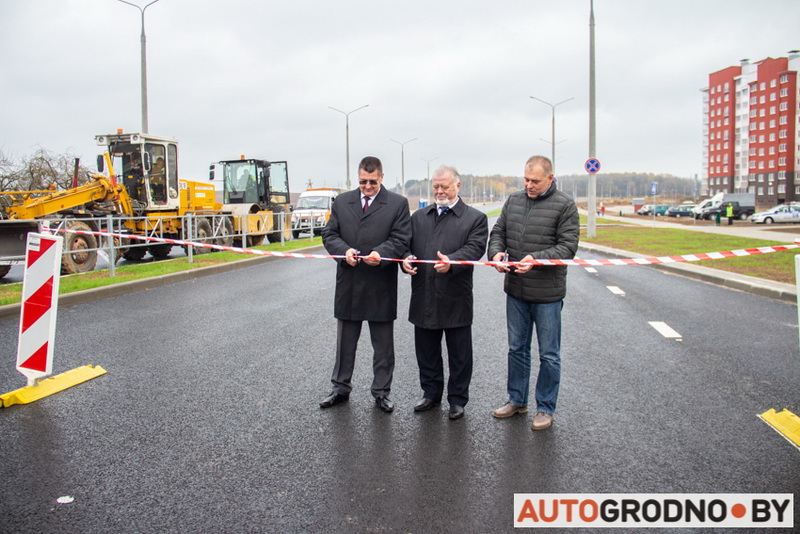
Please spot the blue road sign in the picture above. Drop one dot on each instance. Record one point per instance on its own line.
(653, 187)
(592, 165)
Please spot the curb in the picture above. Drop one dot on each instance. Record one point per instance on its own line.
(81, 297)
(749, 284)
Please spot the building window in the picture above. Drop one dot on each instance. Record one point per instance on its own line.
(782, 147)
(773, 83)
(772, 137)
(782, 134)
(772, 150)
(784, 78)
(760, 151)
(784, 106)
(782, 162)
(762, 112)
(784, 119)
(772, 123)
(762, 99)
(773, 97)
(772, 164)
(752, 151)
(784, 92)
(781, 175)
(763, 86)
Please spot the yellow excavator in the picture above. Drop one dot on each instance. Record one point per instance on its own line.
(151, 200)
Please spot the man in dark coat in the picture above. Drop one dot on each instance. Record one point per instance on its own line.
(366, 224)
(441, 293)
(537, 223)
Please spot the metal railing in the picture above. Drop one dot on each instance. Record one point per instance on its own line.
(111, 238)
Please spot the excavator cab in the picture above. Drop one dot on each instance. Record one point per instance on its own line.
(147, 166)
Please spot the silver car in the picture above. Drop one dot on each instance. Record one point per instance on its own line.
(778, 214)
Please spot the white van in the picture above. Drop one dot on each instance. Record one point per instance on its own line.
(313, 210)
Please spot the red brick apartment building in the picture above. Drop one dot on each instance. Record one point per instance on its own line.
(752, 130)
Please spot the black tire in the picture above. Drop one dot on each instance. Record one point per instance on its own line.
(203, 233)
(160, 251)
(768, 220)
(78, 255)
(135, 253)
(296, 234)
(225, 236)
(743, 216)
(275, 235)
(4, 270)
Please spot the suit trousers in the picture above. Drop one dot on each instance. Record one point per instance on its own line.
(428, 344)
(347, 335)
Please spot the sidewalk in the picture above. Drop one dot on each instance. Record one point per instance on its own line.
(758, 286)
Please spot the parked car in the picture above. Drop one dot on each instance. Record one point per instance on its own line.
(683, 210)
(778, 214)
(660, 209)
(739, 212)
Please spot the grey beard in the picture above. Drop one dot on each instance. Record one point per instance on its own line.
(444, 203)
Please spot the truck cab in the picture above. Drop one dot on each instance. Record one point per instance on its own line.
(147, 166)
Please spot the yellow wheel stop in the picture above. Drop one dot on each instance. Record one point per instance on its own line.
(51, 385)
(784, 422)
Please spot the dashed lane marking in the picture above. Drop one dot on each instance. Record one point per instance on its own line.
(615, 290)
(665, 330)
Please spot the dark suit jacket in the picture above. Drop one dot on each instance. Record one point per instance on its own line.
(445, 300)
(363, 292)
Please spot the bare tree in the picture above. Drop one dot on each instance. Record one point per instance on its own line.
(44, 170)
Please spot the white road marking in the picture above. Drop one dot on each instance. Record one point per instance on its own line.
(664, 329)
(591, 270)
(615, 290)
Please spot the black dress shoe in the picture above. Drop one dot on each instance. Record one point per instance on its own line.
(333, 399)
(425, 404)
(384, 404)
(456, 411)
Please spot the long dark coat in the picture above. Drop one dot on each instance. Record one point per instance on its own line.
(365, 293)
(445, 300)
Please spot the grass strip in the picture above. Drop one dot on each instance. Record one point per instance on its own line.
(12, 293)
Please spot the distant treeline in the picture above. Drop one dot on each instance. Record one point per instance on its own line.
(608, 185)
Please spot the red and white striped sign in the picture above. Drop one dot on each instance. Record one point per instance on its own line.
(37, 325)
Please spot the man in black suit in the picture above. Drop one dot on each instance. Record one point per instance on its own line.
(441, 293)
(366, 224)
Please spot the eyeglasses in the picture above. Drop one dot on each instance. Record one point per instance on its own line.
(370, 182)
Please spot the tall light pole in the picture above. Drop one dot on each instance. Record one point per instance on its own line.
(145, 126)
(591, 223)
(403, 164)
(347, 137)
(553, 133)
(428, 161)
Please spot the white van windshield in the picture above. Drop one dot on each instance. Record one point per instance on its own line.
(315, 203)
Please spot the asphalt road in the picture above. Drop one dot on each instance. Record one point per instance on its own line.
(208, 421)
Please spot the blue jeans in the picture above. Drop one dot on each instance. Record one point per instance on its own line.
(521, 318)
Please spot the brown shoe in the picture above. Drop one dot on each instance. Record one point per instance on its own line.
(508, 410)
(542, 421)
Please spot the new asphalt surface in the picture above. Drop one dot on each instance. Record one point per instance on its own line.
(207, 420)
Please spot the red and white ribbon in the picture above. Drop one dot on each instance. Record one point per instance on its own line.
(552, 262)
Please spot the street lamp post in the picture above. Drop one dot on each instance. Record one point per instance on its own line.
(428, 161)
(553, 132)
(145, 126)
(403, 164)
(347, 137)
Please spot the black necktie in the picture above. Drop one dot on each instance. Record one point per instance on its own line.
(366, 204)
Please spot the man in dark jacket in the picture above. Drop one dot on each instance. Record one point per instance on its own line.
(366, 224)
(441, 293)
(540, 222)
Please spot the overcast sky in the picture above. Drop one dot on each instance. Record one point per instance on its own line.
(257, 78)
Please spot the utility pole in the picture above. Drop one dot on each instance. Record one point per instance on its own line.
(143, 39)
(591, 230)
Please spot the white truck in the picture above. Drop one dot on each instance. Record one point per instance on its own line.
(313, 210)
